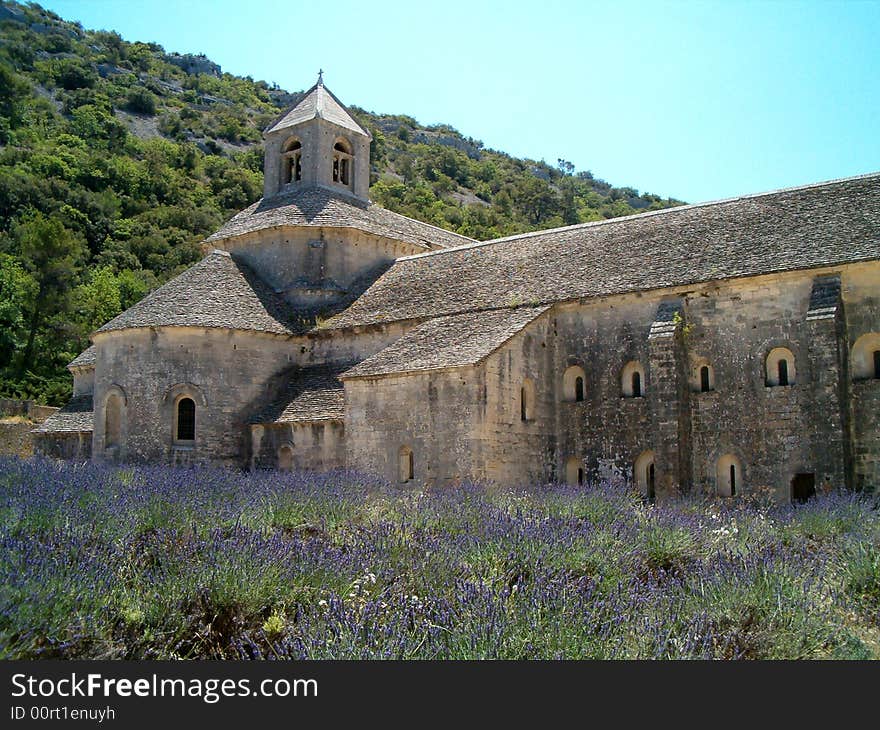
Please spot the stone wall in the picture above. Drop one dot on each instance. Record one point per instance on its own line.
(607, 431)
(16, 438)
(18, 418)
(774, 432)
(313, 446)
(517, 450)
(436, 414)
(314, 266)
(862, 296)
(225, 372)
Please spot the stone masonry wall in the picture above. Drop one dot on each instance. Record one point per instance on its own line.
(774, 432)
(517, 451)
(314, 265)
(225, 372)
(436, 414)
(18, 418)
(315, 446)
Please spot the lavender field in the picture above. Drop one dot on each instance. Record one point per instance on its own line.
(99, 562)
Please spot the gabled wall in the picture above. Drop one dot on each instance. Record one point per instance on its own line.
(314, 266)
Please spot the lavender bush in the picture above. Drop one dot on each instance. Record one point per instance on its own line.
(103, 562)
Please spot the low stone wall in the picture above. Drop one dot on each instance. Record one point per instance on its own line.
(26, 409)
(16, 438)
(18, 418)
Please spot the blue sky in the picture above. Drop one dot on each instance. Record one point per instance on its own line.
(694, 100)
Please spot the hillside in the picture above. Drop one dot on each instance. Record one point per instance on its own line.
(117, 159)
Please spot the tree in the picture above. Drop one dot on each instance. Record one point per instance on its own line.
(141, 101)
(51, 254)
(16, 288)
(96, 302)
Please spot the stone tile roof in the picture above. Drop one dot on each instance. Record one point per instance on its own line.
(799, 228)
(76, 417)
(317, 207)
(318, 102)
(86, 358)
(313, 393)
(216, 292)
(447, 342)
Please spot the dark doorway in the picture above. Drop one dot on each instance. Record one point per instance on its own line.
(803, 486)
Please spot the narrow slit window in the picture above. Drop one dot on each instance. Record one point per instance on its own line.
(112, 418)
(783, 372)
(877, 364)
(704, 379)
(523, 404)
(579, 388)
(649, 479)
(406, 465)
(732, 480)
(580, 476)
(637, 385)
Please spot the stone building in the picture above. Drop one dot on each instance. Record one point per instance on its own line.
(724, 348)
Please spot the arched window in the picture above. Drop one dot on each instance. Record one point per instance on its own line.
(633, 380)
(405, 464)
(527, 401)
(866, 357)
(285, 458)
(186, 420)
(702, 375)
(342, 162)
(780, 370)
(573, 383)
(112, 420)
(728, 476)
(643, 475)
(292, 161)
(574, 471)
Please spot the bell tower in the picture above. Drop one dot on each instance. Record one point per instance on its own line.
(317, 143)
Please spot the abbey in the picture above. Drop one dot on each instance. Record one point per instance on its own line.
(727, 348)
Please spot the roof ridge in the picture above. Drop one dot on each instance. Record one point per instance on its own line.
(318, 89)
(424, 223)
(647, 214)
